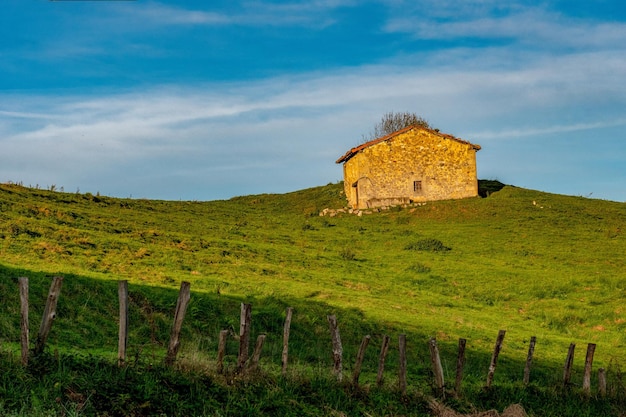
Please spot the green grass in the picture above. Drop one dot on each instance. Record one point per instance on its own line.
(533, 263)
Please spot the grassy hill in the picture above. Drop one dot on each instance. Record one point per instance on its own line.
(532, 263)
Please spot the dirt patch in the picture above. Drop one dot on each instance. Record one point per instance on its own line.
(515, 410)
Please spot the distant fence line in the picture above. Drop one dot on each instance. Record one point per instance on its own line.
(246, 363)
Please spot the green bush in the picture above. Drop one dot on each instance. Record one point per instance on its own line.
(419, 268)
(428, 244)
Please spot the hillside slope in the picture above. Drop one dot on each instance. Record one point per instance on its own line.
(533, 263)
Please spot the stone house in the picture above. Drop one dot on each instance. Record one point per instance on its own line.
(414, 164)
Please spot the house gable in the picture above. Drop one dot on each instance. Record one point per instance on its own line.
(391, 136)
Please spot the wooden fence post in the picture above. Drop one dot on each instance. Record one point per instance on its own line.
(254, 361)
(122, 342)
(359, 359)
(24, 338)
(591, 348)
(337, 348)
(49, 314)
(602, 382)
(494, 357)
(244, 335)
(460, 363)
(567, 370)
(381, 360)
(181, 307)
(221, 350)
(435, 362)
(286, 330)
(529, 359)
(402, 367)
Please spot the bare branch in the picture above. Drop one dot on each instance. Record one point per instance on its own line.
(392, 122)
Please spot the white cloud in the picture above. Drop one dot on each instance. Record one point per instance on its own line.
(533, 25)
(548, 130)
(24, 115)
(251, 13)
(169, 15)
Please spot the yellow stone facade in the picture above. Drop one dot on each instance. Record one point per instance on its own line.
(414, 164)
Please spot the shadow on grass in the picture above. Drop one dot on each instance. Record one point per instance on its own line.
(488, 187)
(78, 369)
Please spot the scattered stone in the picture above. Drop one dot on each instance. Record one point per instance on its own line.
(440, 410)
(514, 410)
(348, 210)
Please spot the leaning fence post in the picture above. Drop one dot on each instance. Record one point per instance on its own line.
(381, 360)
(435, 361)
(529, 359)
(122, 343)
(24, 339)
(460, 363)
(337, 348)
(286, 330)
(567, 369)
(602, 382)
(181, 307)
(494, 357)
(402, 367)
(359, 359)
(254, 362)
(49, 314)
(221, 349)
(244, 335)
(591, 348)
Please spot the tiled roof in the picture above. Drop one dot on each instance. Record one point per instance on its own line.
(359, 148)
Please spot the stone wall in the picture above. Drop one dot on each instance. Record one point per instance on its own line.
(413, 166)
(360, 212)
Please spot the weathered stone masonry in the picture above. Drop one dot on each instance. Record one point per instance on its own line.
(414, 164)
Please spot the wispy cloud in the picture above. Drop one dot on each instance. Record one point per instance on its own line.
(24, 115)
(170, 15)
(253, 13)
(548, 130)
(125, 28)
(530, 25)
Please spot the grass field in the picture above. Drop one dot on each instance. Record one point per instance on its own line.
(532, 263)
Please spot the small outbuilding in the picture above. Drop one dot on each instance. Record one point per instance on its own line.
(414, 164)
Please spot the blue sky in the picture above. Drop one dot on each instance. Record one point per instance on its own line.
(204, 100)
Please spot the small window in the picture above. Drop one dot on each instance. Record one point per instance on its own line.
(417, 186)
